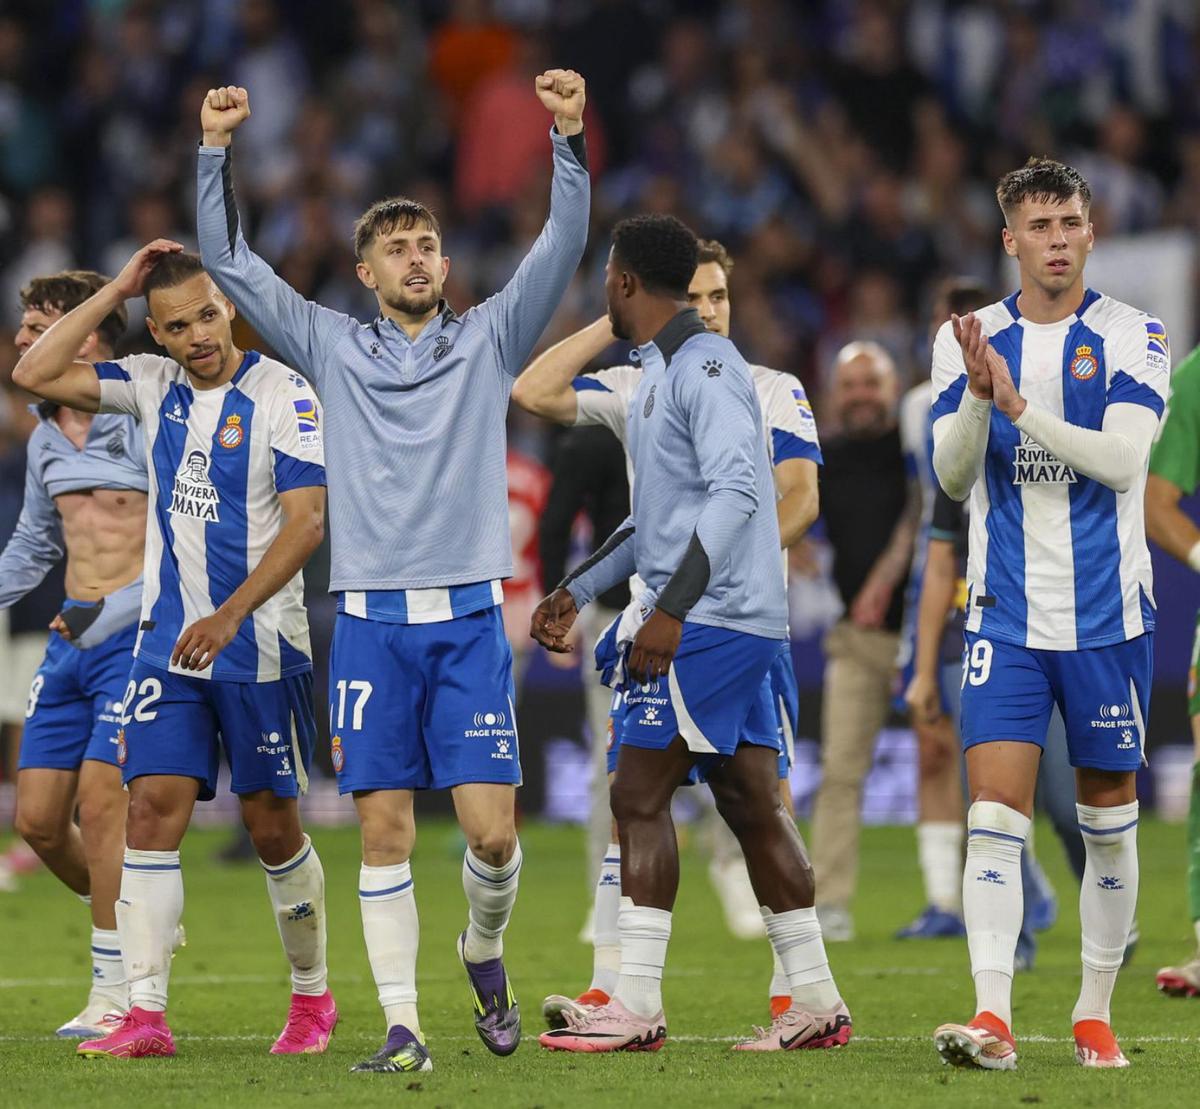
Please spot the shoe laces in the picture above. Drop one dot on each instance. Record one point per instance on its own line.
(300, 1023)
(591, 1015)
(786, 1019)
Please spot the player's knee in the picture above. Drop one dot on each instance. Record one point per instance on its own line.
(628, 806)
(493, 846)
(145, 823)
(275, 844)
(387, 839)
(100, 813)
(39, 829)
(1001, 796)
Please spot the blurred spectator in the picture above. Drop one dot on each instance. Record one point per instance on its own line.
(865, 506)
(466, 49)
(49, 220)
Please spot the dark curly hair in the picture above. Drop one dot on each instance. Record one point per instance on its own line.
(1041, 180)
(661, 250)
(69, 289)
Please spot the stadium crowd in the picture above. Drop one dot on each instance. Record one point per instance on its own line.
(843, 151)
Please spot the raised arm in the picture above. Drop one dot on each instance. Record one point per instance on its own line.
(962, 402)
(37, 542)
(518, 314)
(546, 387)
(302, 332)
(52, 368)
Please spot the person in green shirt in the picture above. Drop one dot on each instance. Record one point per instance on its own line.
(1175, 473)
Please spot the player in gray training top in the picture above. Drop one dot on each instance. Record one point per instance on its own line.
(705, 540)
(421, 672)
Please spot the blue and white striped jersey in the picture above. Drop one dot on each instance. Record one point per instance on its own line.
(112, 458)
(219, 458)
(697, 444)
(605, 397)
(418, 488)
(1058, 561)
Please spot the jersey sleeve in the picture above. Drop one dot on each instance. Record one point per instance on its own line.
(1140, 363)
(517, 315)
(297, 449)
(36, 544)
(126, 384)
(303, 332)
(1175, 455)
(604, 398)
(789, 421)
(948, 373)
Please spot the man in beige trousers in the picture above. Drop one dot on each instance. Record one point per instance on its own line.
(871, 522)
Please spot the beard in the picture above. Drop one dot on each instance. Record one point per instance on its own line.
(618, 326)
(414, 302)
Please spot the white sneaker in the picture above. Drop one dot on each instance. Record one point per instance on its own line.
(99, 1017)
(837, 925)
(742, 914)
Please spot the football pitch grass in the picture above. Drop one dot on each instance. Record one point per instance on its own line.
(229, 993)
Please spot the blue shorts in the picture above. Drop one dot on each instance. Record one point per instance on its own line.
(422, 706)
(776, 711)
(177, 724)
(785, 696)
(1103, 694)
(716, 695)
(74, 710)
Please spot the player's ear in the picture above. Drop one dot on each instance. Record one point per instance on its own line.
(1091, 237)
(629, 284)
(1010, 243)
(445, 266)
(153, 329)
(230, 307)
(365, 275)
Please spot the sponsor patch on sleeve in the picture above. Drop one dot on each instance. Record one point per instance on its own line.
(308, 421)
(803, 405)
(1158, 350)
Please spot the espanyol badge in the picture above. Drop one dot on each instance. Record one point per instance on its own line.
(231, 435)
(1084, 364)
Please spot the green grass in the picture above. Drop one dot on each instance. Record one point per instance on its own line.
(229, 993)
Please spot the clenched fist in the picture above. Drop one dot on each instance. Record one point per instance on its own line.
(222, 113)
(563, 92)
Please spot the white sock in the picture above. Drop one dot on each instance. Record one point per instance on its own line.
(1107, 900)
(606, 939)
(297, 892)
(392, 933)
(993, 901)
(108, 969)
(779, 987)
(796, 939)
(148, 913)
(645, 933)
(939, 852)
(491, 893)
